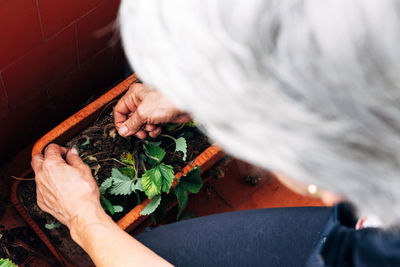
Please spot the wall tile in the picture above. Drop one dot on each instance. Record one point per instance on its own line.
(57, 14)
(3, 101)
(24, 125)
(41, 67)
(83, 82)
(19, 29)
(95, 30)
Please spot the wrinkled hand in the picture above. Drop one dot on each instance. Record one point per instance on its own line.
(64, 184)
(141, 109)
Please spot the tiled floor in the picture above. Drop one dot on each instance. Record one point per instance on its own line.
(233, 193)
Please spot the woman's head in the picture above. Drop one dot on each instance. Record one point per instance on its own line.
(308, 88)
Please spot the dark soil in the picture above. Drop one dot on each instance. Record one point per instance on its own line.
(20, 244)
(100, 145)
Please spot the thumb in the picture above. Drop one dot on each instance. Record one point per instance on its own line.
(132, 125)
(37, 162)
(73, 158)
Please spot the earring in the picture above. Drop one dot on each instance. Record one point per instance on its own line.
(313, 190)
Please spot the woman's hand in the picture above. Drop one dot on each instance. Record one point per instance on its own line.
(66, 189)
(64, 184)
(141, 109)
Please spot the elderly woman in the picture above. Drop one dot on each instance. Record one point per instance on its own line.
(308, 88)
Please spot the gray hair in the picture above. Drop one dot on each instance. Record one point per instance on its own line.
(308, 88)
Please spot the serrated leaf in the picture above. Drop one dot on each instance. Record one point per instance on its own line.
(116, 174)
(155, 152)
(181, 145)
(128, 171)
(107, 206)
(105, 185)
(167, 173)
(121, 187)
(152, 182)
(192, 181)
(181, 195)
(118, 208)
(7, 263)
(128, 159)
(137, 186)
(152, 206)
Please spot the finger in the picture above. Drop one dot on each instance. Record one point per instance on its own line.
(141, 134)
(131, 125)
(155, 133)
(37, 162)
(182, 118)
(55, 152)
(124, 107)
(73, 158)
(150, 127)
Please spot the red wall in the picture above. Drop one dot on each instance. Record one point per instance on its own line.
(54, 55)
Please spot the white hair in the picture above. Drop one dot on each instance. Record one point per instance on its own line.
(309, 88)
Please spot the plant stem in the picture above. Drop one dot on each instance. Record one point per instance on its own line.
(96, 154)
(114, 159)
(22, 179)
(166, 135)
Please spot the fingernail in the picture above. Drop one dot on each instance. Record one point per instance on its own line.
(74, 151)
(123, 130)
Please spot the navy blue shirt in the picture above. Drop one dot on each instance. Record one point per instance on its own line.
(342, 245)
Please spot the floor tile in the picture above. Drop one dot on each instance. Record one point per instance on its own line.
(274, 194)
(233, 188)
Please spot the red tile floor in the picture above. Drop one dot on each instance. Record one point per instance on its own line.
(229, 193)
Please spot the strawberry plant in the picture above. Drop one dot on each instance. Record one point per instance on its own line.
(156, 180)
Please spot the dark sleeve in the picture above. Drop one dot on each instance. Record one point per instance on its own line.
(367, 247)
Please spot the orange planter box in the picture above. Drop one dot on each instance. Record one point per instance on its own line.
(78, 122)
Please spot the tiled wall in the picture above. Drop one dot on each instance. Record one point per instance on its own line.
(54, 54)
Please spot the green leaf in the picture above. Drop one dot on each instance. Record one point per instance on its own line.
(107, 206)
(152, 182)
(160, 212)
(121, 187)
(137, 186)
(181, 145)
(152, 206)
(53, 225)
(192, 181)
(181, 195)
(155, 152)
(167, 173)
(7, 263)
(128, 159)
(118, 208)
(191, 124)
(105, 185)
(128, 171)
(116, 174)
(172, 127)
(122, 184)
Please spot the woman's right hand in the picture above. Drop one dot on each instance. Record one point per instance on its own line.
(140, 111)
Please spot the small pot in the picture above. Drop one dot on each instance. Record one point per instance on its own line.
(78, 122)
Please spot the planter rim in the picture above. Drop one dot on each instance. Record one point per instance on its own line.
(205, 160)
(82, 114)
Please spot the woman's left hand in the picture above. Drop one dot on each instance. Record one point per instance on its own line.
(64, 184)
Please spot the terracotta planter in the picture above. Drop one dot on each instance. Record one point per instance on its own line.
(78, 122)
